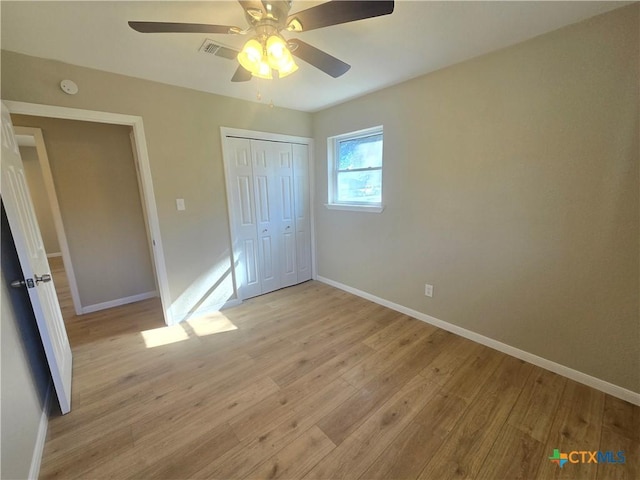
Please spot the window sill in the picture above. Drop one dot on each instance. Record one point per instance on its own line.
(355, 208)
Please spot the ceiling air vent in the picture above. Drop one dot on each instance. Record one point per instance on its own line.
(213, 48)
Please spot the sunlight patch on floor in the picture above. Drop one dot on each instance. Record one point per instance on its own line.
(211, 324)
(201, 326)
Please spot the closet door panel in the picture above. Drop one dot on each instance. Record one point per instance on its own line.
(268, 183)
(243, 216)
(250, 266)
(267, 209)
(302, 211)
(283, 174)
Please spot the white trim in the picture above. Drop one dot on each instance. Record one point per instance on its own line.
(25, 140)
(152, 216)
(52, 196)
(274, 137)
(132, 142)
(255, 135)
(597, 383)
(38, 448)
(54, 255)
(136, 122)
(312, 210)
(355, 208)
(54, 111)
(118, 302)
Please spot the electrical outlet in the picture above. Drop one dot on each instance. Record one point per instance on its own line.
(428, 290)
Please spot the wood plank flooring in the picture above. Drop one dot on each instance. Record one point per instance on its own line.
(312, 382)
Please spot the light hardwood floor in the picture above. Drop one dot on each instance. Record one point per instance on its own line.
(316, 383)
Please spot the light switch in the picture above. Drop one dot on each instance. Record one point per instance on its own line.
(180, 204)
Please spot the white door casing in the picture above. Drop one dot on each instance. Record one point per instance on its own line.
(145, 215)
(34, 264)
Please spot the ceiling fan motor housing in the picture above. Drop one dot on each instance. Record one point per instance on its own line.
(273, 13)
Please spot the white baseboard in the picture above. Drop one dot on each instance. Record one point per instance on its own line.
(597, 383)
(118, 302)
(55, 254)
(38, 449)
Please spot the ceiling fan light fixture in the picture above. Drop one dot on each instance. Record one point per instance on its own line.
(260, 57)
(279, 56)
(287, 69)
(251, 55)
(263, 71)
(276, 48)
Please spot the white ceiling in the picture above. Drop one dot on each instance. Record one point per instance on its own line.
(419, 37)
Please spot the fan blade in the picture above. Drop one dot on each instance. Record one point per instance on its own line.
(319, 59)
(168, 27)
(252, 5)
(336, 12)
(241, 75)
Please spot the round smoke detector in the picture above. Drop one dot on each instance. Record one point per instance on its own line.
(69, 86)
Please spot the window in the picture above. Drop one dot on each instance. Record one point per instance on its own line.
(355, 170)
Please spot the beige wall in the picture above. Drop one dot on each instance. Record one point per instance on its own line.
(95, 179)
(511, 185)
(40, 200)
(182, 128)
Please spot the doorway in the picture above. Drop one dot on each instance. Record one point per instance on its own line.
(89, 170)
(134, 124)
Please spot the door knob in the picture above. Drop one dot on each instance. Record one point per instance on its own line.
(44, 278)
(288, 227)
(28, 282)
(264, 231)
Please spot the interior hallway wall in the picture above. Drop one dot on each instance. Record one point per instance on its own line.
(95, 179)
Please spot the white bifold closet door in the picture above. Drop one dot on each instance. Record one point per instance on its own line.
(268, 186)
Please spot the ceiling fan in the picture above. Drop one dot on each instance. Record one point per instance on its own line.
(267, 52)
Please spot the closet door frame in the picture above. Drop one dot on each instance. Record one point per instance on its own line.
(274, 137)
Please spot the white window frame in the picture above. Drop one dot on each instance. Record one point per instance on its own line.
(332, 172)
